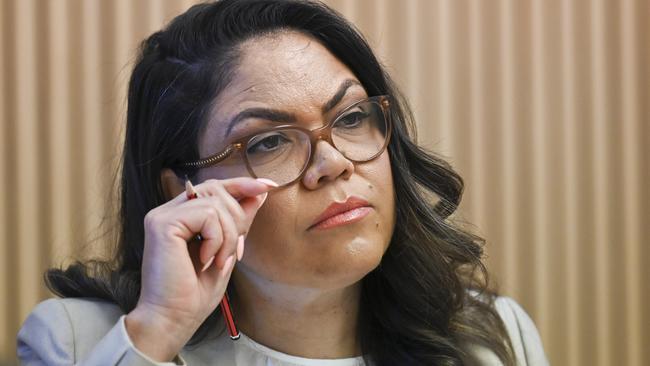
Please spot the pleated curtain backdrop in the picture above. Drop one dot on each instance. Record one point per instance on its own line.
(543, 106)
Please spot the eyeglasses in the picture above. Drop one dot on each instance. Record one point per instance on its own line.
(360, 133)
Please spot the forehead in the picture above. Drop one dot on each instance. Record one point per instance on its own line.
(290, 61)
(285, 65)
(286, 70)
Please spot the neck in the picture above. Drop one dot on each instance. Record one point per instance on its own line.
(299, 321)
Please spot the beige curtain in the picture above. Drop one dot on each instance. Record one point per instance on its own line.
(543, 106)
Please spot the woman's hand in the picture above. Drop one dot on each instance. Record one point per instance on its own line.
(182, 283)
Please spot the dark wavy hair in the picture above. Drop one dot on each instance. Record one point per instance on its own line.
(429, 297)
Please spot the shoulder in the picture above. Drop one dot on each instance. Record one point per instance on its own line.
(63, 329)
(75, 313)
(525, 339)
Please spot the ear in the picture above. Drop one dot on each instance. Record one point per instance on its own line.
(172, 185)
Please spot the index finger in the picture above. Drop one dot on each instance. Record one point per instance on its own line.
(243, 187)
(239, 188)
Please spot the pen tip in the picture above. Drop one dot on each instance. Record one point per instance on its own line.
(189, 190)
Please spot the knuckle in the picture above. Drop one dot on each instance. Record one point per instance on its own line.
(221, 192)
(209, 187)
(212, 212)
(167, 232)
(211, 191)
(151, 218)
(213, 239)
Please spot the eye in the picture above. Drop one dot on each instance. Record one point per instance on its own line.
(267, 143)
(352, 120)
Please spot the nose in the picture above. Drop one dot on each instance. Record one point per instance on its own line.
(328, 164)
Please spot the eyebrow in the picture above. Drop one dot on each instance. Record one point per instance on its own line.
(275, 115)
(339, 95)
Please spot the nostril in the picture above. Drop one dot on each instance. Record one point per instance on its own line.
(328, 165)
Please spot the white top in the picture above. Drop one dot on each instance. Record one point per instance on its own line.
(249, 352)
(87, 332)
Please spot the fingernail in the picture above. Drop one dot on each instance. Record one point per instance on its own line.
(264, 198)
(207, 264)
(227, 265)
(268, 182)
(240, 248)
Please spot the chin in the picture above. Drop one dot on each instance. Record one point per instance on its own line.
(346, 269)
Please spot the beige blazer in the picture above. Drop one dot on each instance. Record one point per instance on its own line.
(92, 332)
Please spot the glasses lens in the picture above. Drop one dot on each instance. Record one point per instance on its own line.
(360, 133)
(278, 155)
(281, 155)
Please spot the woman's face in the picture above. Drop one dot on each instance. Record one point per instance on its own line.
(295, 74)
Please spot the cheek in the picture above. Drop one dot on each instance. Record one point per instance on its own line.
(380, 182)
(274, 233)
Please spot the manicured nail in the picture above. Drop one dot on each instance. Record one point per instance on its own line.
(227, 265)
(240, 248)
(266, 194)
(268, 182)
(207, 264)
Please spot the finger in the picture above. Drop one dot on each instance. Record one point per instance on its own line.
(251, 205)
(193, 248)
(243, 210)
(218, 197)
(199, 216)
(235, 209)
(239, 188)
(243, 187)
(180, 198)
(216, 279)
(228, 244)
(213, 239)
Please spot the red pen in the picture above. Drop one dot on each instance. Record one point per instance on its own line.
(225, 303)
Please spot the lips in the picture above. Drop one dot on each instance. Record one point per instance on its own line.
(353, 209)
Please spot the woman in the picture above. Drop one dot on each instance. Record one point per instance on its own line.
(300, 149)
